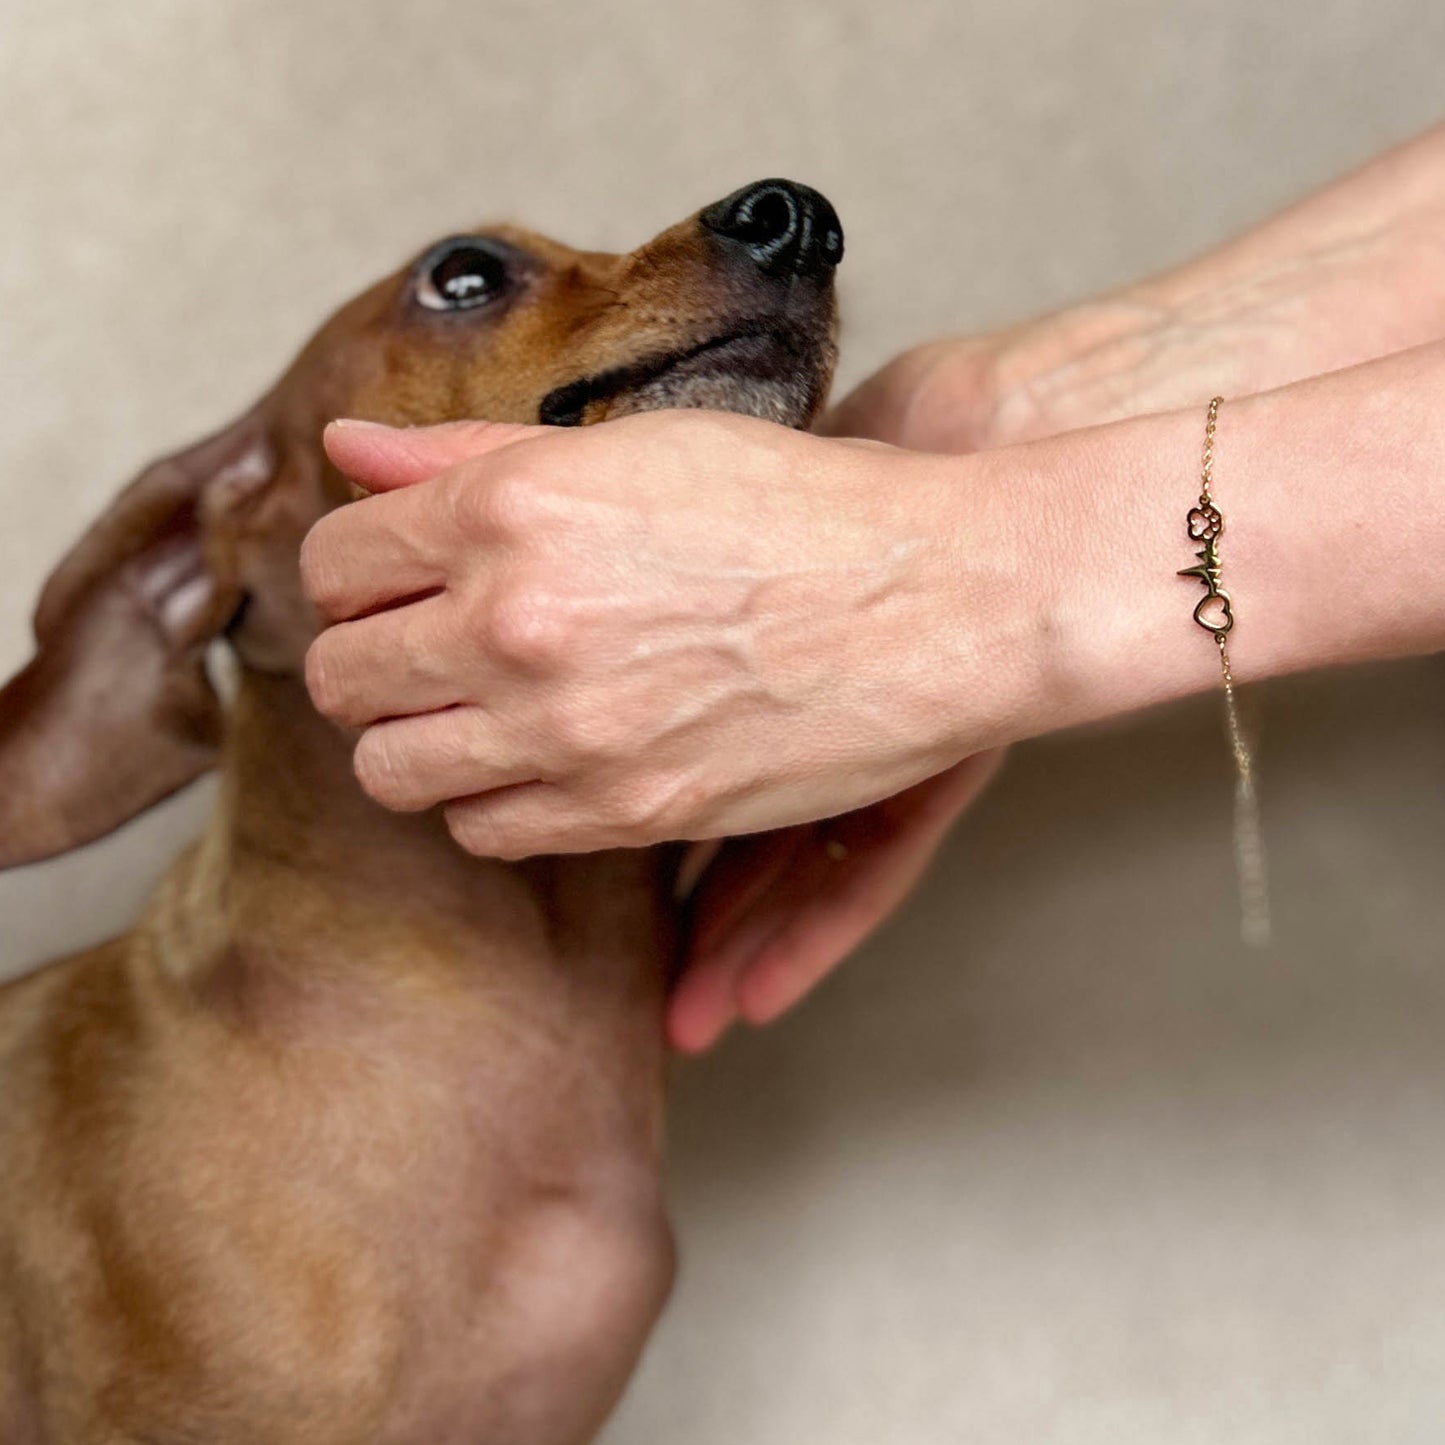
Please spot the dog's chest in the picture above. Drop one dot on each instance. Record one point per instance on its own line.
(351, 1207)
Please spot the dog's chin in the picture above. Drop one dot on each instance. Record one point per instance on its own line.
(773, 376)
(759, 376)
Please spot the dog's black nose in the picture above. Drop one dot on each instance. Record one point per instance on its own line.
(787, 229)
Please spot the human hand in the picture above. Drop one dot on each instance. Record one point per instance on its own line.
(1343, 277)
(1348, 275)
(776, 912)
(1082, 366)
(670, 626)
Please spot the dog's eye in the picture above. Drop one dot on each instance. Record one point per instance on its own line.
(459, 276)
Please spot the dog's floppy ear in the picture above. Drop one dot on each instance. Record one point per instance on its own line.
(115, 711)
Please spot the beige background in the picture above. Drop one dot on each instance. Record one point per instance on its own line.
(1051, 1162)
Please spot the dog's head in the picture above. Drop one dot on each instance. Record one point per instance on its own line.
(732, 310)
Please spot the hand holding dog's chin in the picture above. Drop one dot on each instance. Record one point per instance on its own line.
(671, 626)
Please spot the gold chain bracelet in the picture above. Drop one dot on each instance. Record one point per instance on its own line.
(1214, 612)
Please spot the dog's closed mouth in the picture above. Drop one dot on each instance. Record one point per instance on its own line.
(764, 373)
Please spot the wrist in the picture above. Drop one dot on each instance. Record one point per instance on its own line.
(1089, 525)
(1327, 489)
(1001, 659)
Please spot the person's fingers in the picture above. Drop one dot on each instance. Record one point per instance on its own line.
(816, 866)
(877, 854)
(701, 1009)
(803, 930)
(822, 856)
(742, 870)
(702, 1003)
(372, 553)
(799, 939)
(412, 763)
(522, 821)
(397, 543)
(812, 871)
(383, 458)
(391, 664)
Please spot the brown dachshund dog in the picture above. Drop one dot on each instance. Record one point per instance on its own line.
(353, 1139)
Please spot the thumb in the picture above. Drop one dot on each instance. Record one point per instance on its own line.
(383, 458)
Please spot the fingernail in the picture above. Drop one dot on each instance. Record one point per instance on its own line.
(356, 423)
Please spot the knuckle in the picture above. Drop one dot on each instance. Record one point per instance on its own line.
(513, 504)
(527, 628)
(655, 808)
(505, 506)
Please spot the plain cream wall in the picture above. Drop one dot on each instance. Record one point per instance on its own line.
(1051, 1162)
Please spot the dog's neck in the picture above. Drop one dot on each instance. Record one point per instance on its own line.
(301, 879)
(476, 1047)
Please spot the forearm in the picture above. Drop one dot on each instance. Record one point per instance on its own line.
(1353, 272)
(1332, 495)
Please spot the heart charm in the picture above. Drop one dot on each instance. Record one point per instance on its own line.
(1215, 613)
(1205, 523)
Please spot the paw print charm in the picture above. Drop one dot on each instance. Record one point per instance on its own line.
(1205, 523)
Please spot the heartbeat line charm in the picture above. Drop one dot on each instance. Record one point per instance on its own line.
(1214, 612)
